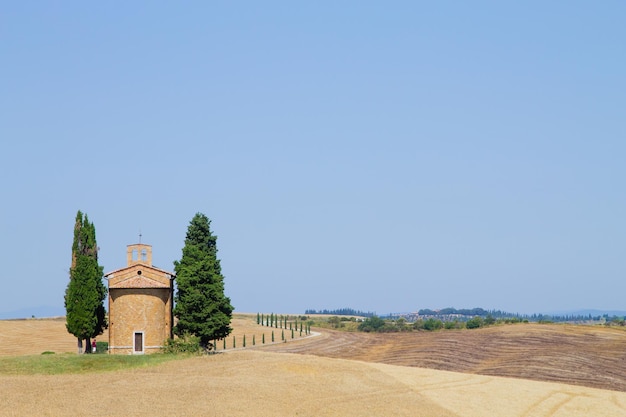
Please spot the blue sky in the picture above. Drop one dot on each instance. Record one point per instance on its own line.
(381, 156)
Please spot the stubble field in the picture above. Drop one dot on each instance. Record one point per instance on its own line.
(342, 374)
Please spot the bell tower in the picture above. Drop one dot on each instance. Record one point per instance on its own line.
(139, 253)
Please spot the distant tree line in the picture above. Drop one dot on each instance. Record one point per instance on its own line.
(463, 311)
(451, 314)
(464, 314)
(341, 312)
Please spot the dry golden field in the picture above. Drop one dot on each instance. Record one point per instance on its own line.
(259, 382)
(34, 336)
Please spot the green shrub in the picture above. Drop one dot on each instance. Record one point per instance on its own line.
(432, 324)
(474, 323)
(185, 344)
(449, 325)
(418, 324)
(102, 347)
(371, 324)
(47, 352)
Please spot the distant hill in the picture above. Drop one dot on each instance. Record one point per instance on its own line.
(37, 312)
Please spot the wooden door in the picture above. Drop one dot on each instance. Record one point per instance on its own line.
(138, 342)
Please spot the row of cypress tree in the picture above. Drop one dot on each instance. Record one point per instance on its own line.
(282, 321)
(201, 307)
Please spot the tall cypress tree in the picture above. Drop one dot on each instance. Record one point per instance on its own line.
(201, 307)
(85, 292)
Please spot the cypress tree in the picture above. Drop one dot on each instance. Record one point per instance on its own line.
(85, 292)
(201, 307)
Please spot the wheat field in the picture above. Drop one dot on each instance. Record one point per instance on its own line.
(257, 382)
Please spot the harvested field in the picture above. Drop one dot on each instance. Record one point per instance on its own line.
(259, 382)
(591, 356)
(34, 336)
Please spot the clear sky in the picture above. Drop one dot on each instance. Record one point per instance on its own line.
(383, 156)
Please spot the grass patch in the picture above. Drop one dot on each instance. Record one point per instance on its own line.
(78, 364)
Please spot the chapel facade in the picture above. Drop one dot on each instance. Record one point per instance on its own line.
(140, 304)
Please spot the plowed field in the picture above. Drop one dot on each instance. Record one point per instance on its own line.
(592, 356)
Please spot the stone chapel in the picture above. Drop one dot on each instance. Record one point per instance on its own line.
(140, 304)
